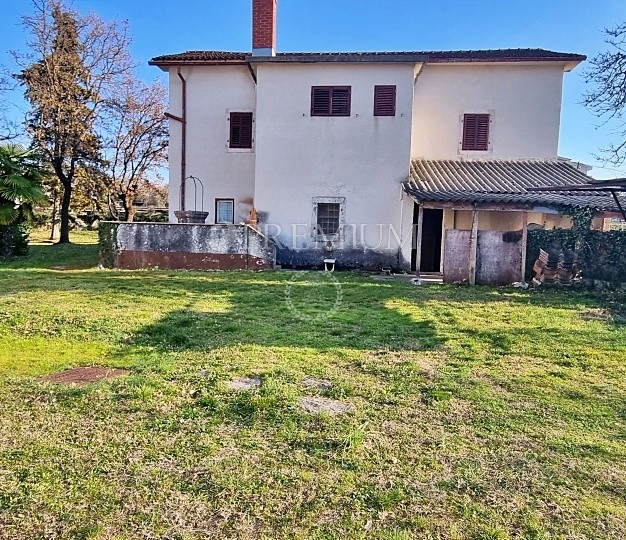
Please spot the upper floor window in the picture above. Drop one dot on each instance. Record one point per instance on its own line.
(240, 130)
(330, 100)
(475, 132)
(385, 100)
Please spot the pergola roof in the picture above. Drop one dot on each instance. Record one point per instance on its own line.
(504, 182)
(614, 186)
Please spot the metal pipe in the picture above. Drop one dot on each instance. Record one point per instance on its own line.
(183, 152)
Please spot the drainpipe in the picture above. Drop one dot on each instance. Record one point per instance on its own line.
(183, 153)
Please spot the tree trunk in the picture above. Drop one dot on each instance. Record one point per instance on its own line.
(53, 221)
(64, 237)
(129, 209)
(7, 241)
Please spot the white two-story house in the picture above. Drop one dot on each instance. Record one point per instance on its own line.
(368, 158)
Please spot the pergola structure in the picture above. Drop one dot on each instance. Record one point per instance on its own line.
(511, 188)
(615, 186)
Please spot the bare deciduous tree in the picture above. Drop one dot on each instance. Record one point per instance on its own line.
(9, 130)
(71, 73)
(137, 146)
(608, 97)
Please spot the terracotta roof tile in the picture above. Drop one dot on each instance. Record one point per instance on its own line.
(200, 56)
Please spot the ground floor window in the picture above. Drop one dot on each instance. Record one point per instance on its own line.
(328, 216)
(224, 211)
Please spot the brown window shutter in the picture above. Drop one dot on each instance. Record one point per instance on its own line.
(475, 132)
(340, 102)
(482, 132)
(320, 101)
(385, 100)
(240, 130)
(330, 100)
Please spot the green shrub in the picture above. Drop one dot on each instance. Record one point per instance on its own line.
(14, 240)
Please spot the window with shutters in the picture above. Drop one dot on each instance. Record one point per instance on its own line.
(240, 130)
(475, 132)
(385, 100)
(224, 210)
(330, 100)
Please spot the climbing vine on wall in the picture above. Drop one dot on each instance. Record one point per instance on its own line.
(601, 255)
(581, 222)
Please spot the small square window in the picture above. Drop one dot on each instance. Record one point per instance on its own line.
(328, 218)
(224, 211)
(240, 130)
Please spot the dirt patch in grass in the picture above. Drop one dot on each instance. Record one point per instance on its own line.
(84, 375)
(596, 315)
(244, 383)
(317, 384)
(317, 405)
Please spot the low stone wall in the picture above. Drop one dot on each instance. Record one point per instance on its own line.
(184, 246)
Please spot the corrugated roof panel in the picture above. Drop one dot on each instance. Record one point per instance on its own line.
(501, 181)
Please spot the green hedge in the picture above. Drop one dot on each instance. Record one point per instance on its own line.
(601, 255)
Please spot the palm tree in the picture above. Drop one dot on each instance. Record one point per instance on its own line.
(21, 176)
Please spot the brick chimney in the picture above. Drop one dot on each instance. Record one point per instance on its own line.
(264, 27)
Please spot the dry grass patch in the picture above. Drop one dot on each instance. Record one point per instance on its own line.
(84, 375)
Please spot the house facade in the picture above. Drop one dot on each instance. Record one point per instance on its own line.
(324, 151)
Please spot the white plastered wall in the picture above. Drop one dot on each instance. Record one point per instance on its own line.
(361, 158)
(212, 92)
(524, 101)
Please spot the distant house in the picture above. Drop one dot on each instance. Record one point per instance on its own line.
(372, 158)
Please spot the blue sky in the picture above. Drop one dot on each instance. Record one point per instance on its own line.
(167, 26)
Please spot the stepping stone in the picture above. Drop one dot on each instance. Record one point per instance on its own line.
(317, 405)
(317, 384)
(244, 383)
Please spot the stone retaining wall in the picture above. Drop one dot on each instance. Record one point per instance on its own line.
(184, 246)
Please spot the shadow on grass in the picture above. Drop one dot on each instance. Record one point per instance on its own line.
(262, 315)
(257, 312)
(51, 256)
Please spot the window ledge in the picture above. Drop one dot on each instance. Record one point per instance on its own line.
(239, 150)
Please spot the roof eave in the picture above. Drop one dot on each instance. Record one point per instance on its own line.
(165, 64)
(568, 63)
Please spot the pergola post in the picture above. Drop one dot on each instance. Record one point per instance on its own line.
(473, 247)
(418, 246)
(524, 244)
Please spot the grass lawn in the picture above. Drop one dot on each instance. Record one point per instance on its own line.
(479, 413)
